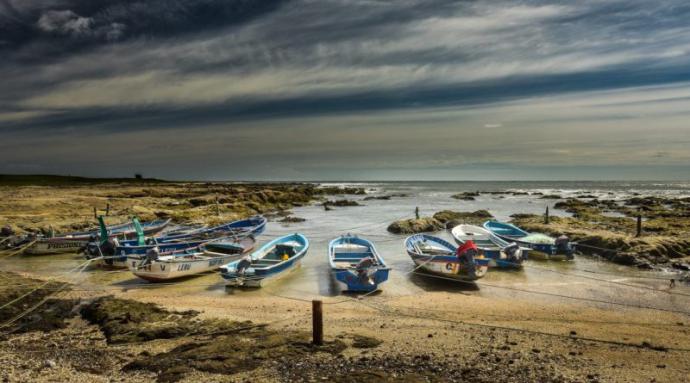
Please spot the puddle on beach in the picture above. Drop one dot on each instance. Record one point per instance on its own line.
(585, 277)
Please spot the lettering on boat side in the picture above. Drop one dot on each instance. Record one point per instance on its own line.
(183, 267)
(63, 245)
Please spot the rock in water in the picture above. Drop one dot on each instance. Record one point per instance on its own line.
(453, 218)
(411, 226)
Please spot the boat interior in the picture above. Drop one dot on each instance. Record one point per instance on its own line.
(431, 248)
(278, 253)
(348, 255)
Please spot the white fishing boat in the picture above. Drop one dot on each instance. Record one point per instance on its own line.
(155, 268)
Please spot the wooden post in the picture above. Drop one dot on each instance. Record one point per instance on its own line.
(639, 225)
(416, 212)
(95, 213)
(317, 322)
(546, 217)
(107, 209)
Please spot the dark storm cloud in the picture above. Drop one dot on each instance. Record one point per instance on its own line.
(39, 30)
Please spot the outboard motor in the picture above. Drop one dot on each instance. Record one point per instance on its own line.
(152, 255)
(243, 265)
(513, 253)
(466, 254)
(563, 246)
(108, 250)
(363, 270)
(95, 249)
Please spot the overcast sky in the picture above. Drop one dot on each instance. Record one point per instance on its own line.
(346, 89)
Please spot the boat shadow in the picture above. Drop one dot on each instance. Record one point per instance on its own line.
(208, 285)
(433, 283)
(359, 294)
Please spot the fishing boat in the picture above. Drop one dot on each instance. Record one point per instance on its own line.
(73, 242)
(356, 264)
(436, 256)
(254, 225)
(273, 260)
(114, 253)
(156, 267)
(541, 246)
(499, 252)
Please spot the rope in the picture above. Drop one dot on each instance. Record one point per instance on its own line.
(554, 294)
(41, 286)
(391, 312)
(21, 249)
(41, 302)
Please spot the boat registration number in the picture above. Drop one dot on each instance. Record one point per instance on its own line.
(215, 262)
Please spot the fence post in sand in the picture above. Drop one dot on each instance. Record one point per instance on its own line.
(546, 217)
(639, 225)
(317, 322)
(95, 213)
(107, 209)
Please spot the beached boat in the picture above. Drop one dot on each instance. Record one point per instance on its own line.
(114, 253)
(273, 260)
(156, 267)
(541, 246)
(499, 252)
(434, 255)
(73, 242)
(356, 264)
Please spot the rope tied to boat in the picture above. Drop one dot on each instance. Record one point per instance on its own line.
(21, 249)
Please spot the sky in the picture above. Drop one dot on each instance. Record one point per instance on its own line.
(346, 89)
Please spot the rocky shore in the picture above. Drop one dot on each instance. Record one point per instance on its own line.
(607, 228)
(68, 206)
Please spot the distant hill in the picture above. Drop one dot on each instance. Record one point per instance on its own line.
(55, 180)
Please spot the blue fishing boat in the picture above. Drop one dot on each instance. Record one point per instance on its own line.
(541, 246)
(436, 256)
(273, 260)
(356, 264)
(115, 253)
(500, 253)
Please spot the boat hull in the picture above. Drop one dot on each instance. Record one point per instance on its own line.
(179, 268)
(262, 280)
(448, 267)
(73, 243)
(348, 280)
(45, 247)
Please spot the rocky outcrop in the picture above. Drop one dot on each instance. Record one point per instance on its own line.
(411, 226)
(613, 239)
(465, 196)
(451, 218)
